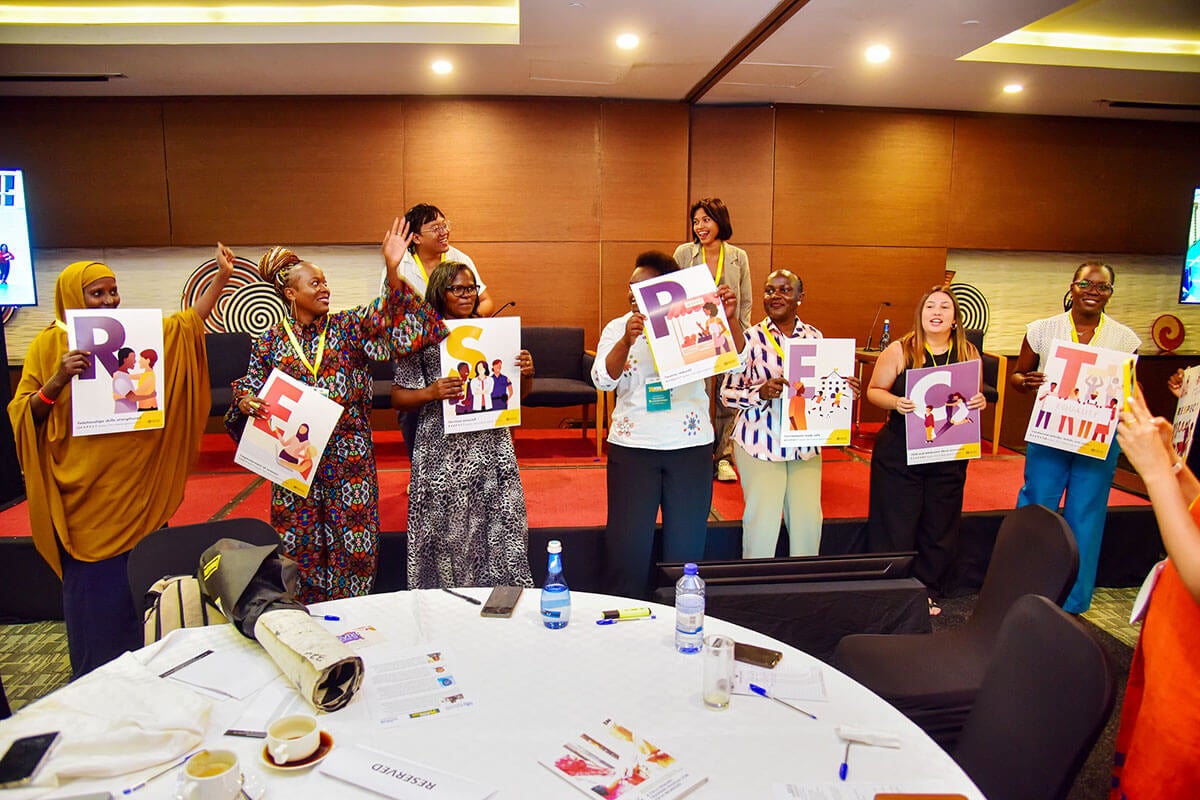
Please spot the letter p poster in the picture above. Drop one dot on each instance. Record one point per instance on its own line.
(483, 353)
(122, 388)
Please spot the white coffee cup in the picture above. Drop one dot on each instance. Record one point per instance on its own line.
(292, 738)
(211, 775)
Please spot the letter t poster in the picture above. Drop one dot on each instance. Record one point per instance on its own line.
(686, 326)
(122, 388)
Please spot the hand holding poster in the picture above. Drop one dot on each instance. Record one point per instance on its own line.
(686, 326)
(483, 352)
(942, 427)
(119, 389)
(286, 446)
(1184, 428)
(1080, 400)
(818, 399)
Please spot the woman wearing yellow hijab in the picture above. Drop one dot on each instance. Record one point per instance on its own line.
(92, 498)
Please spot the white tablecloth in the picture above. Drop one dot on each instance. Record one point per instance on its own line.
(534, 688)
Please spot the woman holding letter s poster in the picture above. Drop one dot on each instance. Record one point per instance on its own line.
(1048, 470)
(92, 498)
(918, 506)
(333, 532)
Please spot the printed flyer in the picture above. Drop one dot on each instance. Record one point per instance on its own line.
(942, 428)
(483, 352)
(119, 391)
(286, 447)
(1079, 404)
(1184, 429)
(819, 399)
(686, 326)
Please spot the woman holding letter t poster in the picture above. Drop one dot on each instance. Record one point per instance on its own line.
(918, 506)
(1050, 471)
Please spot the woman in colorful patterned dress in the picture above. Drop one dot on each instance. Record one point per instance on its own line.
(467, 524)
(333, 533)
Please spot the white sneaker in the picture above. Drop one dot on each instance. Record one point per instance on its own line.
(725, 473)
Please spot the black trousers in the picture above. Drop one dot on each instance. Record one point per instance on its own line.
(102, 622)
(915, 507)
(640, 481)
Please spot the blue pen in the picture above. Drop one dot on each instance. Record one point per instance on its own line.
(761, 692)
(326, 617)
(622, 619)
(161, 772)
(845, 767)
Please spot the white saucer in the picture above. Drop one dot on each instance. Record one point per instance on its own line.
(316, 758)
(253, 787)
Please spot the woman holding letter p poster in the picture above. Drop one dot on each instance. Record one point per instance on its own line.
(333, 533)
(1050, 471)
(917, 506)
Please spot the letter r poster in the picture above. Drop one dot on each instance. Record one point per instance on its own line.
(122, 388)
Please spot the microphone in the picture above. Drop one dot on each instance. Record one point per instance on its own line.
(871, 332)
(510, 303)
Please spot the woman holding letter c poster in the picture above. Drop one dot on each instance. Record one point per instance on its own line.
(1050, 471)
(918, 506)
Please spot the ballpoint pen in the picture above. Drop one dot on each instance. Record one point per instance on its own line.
(468, 598)
(615, 620)
(158, 774)
(845, 767)
(326, 617)
(758, 690)
(187, 663)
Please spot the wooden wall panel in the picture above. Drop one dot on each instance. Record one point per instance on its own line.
(617, 264)
(733, 158)
(1094, 186)
(94, 174)
(843, 286)
(856, 177)
(506, 170)
(288, 170)
(643, 170)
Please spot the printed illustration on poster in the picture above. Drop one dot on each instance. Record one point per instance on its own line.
(818, 400)
(120, 390)
(483, 352)
(942, 428)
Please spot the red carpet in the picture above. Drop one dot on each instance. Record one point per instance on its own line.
(564, 484)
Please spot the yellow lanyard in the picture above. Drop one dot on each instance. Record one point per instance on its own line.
(1095, 333)
(933, 358)
(720, 262)
(774, 342)
(310, 366)
(421, 266)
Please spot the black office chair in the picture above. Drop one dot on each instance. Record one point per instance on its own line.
(176, 551)
(562, 371)
(934, 679)
(994, 384)
(228, 358)
(1045, 699)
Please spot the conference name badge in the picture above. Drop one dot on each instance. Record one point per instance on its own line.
(657, 398)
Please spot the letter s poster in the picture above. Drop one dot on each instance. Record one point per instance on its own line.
(686, 326)
(1079, 403)
(121, 390)
(483, 353)
(286, 447)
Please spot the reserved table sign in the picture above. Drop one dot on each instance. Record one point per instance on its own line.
(395, 777)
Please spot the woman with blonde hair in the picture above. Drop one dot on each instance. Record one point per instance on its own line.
(918, 506)
(333, 533)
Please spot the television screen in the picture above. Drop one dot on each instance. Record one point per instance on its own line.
(17, 287)
(1189, 286)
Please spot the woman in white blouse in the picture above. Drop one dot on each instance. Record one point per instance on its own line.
(776, 480)
(659, 446)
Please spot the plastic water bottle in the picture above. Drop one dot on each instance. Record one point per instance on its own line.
(556, 597)
(885, 338)
(689, 610)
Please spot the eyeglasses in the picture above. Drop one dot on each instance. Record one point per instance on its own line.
(436, 230)
(782, 291)
(1087, 286)
(465, 290)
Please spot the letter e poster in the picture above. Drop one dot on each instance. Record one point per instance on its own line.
(286, 447)
(1079, 403)
(942, 428)
(121, 389)
(686, 326)
(818, 398)
(483, 352)
(1185, 412)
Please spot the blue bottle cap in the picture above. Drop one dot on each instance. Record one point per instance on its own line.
(690, 569)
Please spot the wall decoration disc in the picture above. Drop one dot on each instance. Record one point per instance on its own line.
(246, 303)
(972, 305)
(1168, 332)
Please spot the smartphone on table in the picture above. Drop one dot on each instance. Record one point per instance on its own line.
(758, 656)
(25, 757)
(501, 602)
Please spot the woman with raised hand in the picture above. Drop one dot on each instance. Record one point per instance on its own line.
(1159, 734)
(918, 506)
(776, 480)
(466, 508)
(333, 534)
(730, 266)
(1049, 471)
(74, 483)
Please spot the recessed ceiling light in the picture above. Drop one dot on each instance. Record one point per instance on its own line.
(628, 41)
(878, 53)
(442, 67)
(1013, 88)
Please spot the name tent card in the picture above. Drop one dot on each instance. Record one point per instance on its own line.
(392, 776)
